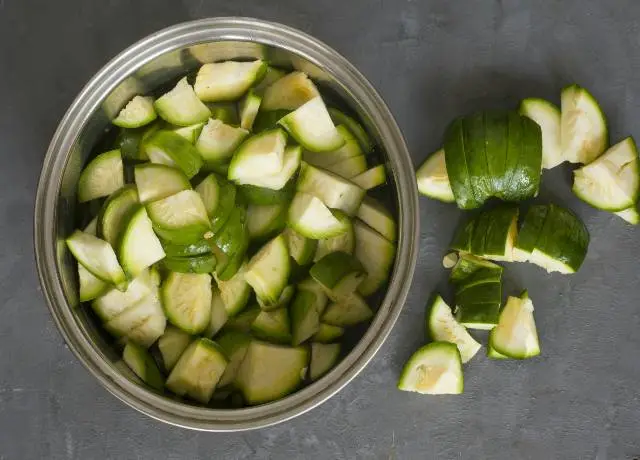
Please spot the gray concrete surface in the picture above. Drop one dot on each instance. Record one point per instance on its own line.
(431, 60)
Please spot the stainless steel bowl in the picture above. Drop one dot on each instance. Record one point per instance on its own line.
(145, 65)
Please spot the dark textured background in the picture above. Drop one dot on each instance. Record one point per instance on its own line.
(430, 60)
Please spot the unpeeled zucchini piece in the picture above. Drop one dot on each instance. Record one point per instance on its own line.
(434, 369)
(515, 336)
(181, 106)
(101, 177)
(228, 80)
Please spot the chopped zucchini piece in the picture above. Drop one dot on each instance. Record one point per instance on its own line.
(181, 218)
(235, 345)
(235, 292)
(169, 148)
(198, 370)
(143, 365)
(172, 344)
(311, 125)
(264, 221)
(443, 327)
(157, 181)
(375, 215)
(327, 333)
(116, 209)
(344, 242)
(515, 336)
(181, 106)
(547, 116)
(139, 247)
(339, 274)
(270, 372)
(311, 218)
(301, 248)
(262, 154)
(334, 191)
(98, 257)
(376, 254)
(289, 92)
(228, 80)
(434, 369)
(350, 149)
(114, 302)
(101, 177)
(272, 326)
(433, 180)
(138, 112)
(218, 141)
(268, 270)
(323, 358)
(371, 178)
(187, 301)
(347, 312)
(249, 109)
(278, 181)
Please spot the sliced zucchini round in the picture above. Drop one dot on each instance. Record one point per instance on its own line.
(268, 270)
(101, 177)
(228, 80)
(443, 327)
(157, 181)
(198, 370)
(181, 106)
(289, 92)
(116, 210)
(138, 112)
(612, 181)
(186, 298)
(433, 180)
(181, 218)
(334, 191)
(98, 257)
(434, 369)
(270, 372)
(311, 218)
(218, 141)
(583, 127)
(515, 336)
(143, 365)
(547, 116)
(311, 125)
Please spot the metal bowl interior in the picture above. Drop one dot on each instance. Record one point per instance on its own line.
(154, 61)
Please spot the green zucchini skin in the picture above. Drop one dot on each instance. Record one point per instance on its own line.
(493, 154)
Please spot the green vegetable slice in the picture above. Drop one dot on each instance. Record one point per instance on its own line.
(433, 180)
(323, 358)
(228, 80)
(515, 336)
(434, 369)
(311, 125)
(157, 181)
(138, 112)
(181, 106)
(289, 92)
(443, 327)
(101, 177)
(98, 257)
(547, 116)
(186, 298)
(169, 148)
(143, 365)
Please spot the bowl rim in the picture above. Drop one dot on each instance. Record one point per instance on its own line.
(50, 182)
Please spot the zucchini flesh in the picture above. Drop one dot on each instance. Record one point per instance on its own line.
(228, 80)
(376, 254)
(218, 141)
(612, 181)
(583, 126)
(347, 312)
(547, 116)
(277, 181)
(355, 128)
(181, 218)
(283, 301)
(435, 368)
(115, 210)
(235, 345)
(141, 323)
(289, 92)
(138, 112)
(433, 180)
(334, 191)
(310, 217)
(375, 215)
(259, 155)
(263, 221)
(270, 372)
(339, 274)
(249, 109)
(372, 178)
(301, 248)
(172, 344)
(262, 196)
(187, 301)
(140, 247)
(219, 315)
(443, 327)
(515, 336)
(157, 181)
(272, 326)
(305, 314)
(181, 106)
(350, 149)
(268, 271)
(98, 257)
(311, 125)
(101, 177)
(171, 149)
(344, 242)
(114, 302)
(327, 333)
(198, 370)
(630, 215)
(350, 167)
(90, 286)
(143, 365)
(323, 358)
(235, 292)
